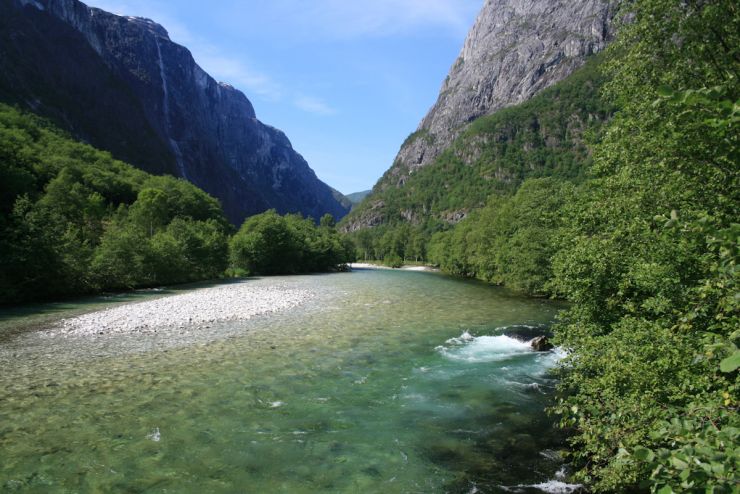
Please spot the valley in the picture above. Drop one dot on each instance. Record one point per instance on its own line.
(186, 307)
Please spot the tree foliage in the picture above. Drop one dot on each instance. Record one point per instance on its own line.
(511, 240)
(543, 137)
(74, 220)
(268, 243)
(644, 244)
(649, 257)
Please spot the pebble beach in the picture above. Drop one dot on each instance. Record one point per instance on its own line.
(232, 302)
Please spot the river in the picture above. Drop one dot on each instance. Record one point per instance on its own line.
(384, 381)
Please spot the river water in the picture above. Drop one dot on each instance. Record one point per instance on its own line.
(385, 381)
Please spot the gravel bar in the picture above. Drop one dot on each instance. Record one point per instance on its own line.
(238, 301)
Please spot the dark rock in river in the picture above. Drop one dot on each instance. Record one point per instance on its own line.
(541, 344)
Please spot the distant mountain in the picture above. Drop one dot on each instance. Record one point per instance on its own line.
(357, 197)
(342, 199)
(121, 84)
(542, 137)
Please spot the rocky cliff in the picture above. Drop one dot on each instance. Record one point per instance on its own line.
(122, 84)
(515, 49)
(516, 104)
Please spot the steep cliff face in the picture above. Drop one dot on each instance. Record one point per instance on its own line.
(204, 131)
(515, 49)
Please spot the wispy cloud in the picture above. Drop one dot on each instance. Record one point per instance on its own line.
(313, 105)
(236, 72)
(297, 20)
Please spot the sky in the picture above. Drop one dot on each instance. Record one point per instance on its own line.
(346, 80)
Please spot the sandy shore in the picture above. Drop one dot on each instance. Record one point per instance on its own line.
(237, 301)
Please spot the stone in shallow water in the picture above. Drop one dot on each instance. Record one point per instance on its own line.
(541, 344)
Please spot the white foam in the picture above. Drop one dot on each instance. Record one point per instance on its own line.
(154, 435)
(556, 487)
(551, 487)
(462, 339)
(552, 358)
(484, 348)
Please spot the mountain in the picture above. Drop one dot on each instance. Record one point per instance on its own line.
(357, 197)
(499, 117)
(515, 49)
(342, 199)
(122, 85)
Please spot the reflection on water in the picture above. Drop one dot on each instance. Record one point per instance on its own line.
(385, 381)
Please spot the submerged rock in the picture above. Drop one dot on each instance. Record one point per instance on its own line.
(541, 344)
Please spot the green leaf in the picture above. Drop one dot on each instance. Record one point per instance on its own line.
(731, 363)
(680, 464)
(644, 454)
(665, 92)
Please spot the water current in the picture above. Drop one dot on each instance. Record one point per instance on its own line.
(384, 381)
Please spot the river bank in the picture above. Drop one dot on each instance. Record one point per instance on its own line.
(405, 267)
(231, 302)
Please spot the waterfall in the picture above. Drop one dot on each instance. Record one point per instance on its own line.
(166, 111)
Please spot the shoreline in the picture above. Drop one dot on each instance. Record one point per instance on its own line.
(405, 267)
(198, 308)
(201, 304)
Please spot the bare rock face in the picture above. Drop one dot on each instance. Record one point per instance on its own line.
(137, 85)
(515, 49)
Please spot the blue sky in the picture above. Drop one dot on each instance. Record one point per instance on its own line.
(346, 80)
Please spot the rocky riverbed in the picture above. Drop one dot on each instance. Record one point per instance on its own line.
(232, 302)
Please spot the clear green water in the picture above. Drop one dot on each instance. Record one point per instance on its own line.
(357, 391)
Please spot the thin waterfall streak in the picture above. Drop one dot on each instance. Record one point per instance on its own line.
(166, 111)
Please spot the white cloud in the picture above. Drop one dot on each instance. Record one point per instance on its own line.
(298, 19)
(313, 105)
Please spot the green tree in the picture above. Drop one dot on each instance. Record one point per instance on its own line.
(272, 244)
(150, 212)
(654, 295)
(74, 220)
(327, 221)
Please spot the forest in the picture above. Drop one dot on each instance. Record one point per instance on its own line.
(73, 220)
